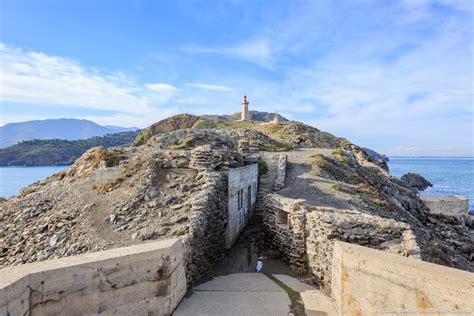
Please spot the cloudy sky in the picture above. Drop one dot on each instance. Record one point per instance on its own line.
(395, 76)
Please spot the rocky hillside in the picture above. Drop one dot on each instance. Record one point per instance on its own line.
(169, 185)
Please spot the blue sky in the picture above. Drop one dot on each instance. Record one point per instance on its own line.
(396, 76)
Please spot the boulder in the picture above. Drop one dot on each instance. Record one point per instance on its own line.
(416, 181)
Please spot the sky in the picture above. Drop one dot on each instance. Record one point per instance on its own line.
(394, 76)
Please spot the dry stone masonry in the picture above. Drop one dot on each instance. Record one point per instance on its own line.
(305, 234)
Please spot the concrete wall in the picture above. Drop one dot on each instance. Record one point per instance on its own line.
(366, 281)
(147, 279)
(107, 175)
(239, 180)
(450, 205)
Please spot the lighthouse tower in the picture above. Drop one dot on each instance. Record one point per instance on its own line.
(245, 109)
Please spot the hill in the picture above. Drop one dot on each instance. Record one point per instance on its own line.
(68, 129)
(54, 152)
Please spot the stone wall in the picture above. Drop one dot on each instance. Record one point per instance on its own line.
(306, 241)
(242, 183)
(286, 238)
(205, 242)
(324, 226)
(450, 205)
(370, 282)
(143, 279)
(281, 172)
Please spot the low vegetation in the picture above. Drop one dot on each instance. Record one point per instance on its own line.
(262, 166)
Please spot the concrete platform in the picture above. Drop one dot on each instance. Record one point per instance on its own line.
(236, 294)
(450, 205)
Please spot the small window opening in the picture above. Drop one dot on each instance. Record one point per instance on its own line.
(281, 219)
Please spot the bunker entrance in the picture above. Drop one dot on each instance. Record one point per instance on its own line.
(248, 248)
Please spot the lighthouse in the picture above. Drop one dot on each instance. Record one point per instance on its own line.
(245, 109)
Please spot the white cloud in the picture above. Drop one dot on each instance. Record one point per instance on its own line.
(36, 78)
(257, 51)
(161, 87)
(210, 87)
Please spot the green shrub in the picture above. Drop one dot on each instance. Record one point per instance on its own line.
(262, 166)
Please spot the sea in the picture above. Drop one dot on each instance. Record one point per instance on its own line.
(13, 179)
(450, 176)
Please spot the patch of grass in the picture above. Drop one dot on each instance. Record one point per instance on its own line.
(272, 129)
(188, 142)
(336, 186)
(106, 186)
(292, 294)
(262, 166)
(204, 123)
(339, 155)
(276, 147)
(318, 160)
(26, 191)
(142, 137)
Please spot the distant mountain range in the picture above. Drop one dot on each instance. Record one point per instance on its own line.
(66, 129)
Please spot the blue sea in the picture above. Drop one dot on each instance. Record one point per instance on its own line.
(450, 176)
(13, 179)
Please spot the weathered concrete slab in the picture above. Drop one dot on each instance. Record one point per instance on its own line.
(367, 281)
(236, 294)
(234, 303)
(316, 303)
(240, 282)
(294, 283)
(137, 280)
(450, 205)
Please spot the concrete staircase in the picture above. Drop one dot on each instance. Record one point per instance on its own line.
(266, 182)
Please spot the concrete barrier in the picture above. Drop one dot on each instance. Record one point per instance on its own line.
(450, 205)
(366, 281)
(147, 279)
(107, 175)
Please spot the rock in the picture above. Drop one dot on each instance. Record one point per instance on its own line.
(469, 221)
(54, 241)
(112, 219)
(162, 231)
(416, 181)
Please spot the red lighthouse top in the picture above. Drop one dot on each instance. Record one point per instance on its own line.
(245, 98)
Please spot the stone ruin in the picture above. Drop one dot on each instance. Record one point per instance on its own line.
(304, 234)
